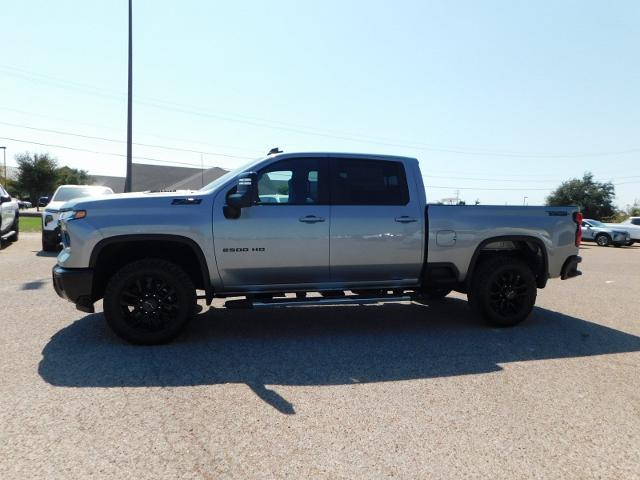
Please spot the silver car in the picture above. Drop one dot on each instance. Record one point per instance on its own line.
(603, 235)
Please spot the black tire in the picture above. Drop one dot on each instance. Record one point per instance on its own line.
(603, 240)
(48, 246)
(503, 291)
(436, 293)
(15, 228)
(149, 302)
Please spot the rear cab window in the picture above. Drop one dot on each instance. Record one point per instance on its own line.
(368, 182)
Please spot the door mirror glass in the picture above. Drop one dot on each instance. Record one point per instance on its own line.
(5, 198)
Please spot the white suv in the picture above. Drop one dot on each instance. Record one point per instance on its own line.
(631, 225)
(51, 213)
(9, 217)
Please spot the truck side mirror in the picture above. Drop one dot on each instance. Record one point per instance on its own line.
(5, 198)
(245, 196)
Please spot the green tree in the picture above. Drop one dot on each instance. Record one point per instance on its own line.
(595, 199)
(71, 176)
(36, 175)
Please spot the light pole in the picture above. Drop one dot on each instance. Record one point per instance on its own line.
(127, 182)
(4, 160)
(524, 201)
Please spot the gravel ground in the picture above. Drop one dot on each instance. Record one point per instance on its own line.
(409, 391)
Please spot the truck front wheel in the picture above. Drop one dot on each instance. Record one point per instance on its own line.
(503, 291)
(149, 301)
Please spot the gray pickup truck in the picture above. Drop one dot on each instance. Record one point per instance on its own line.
(305, 229)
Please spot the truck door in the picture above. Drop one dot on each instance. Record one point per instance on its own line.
(284, 238)
(377, 223)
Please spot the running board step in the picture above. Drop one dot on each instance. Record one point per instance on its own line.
(314, 301)
(7, 235)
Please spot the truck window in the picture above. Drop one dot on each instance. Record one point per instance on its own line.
(368, 182)
(294, 181)
(635, 221)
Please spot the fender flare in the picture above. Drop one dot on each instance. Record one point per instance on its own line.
(156, 237)
(542, 280)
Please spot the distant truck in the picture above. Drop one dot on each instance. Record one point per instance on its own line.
(64, 193)
(355, 228)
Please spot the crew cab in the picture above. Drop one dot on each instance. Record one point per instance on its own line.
(347, 228)
(64, 193)
(9, 217)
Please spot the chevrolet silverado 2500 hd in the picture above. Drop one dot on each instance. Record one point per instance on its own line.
(339, 223)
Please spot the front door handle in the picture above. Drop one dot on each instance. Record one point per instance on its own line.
(406, 219)
(311, 219)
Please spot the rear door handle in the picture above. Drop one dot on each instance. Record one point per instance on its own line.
(311, 219)
(406, 219)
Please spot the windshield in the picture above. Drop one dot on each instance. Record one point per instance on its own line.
(596, 223)
(64, 194)
(228, 176)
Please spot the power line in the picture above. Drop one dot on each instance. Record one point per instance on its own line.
(176, 149)
(305, 130)
(165, 147)
(94, 125)
(86, 150)
(211, 166)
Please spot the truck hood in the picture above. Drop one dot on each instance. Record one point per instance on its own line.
(53, 207)
(124, 200)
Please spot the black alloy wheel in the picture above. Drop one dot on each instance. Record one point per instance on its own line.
(503, 290)
(149, 301)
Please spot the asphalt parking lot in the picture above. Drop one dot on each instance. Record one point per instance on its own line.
(408, 391)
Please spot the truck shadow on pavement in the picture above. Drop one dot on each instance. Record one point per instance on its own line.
(320, 346)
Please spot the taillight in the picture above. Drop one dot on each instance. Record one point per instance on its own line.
(577, 217)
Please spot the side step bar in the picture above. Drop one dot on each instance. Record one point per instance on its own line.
(314, 301)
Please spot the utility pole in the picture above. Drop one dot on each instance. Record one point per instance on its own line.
(4, 158)
(128, 182)
(524, 201)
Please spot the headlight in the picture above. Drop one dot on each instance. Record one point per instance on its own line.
(73, 215)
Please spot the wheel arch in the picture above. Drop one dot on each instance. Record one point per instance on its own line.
(112, 253)
(536, 258)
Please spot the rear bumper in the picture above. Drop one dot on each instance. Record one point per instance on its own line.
(74, 284)
(570, 267)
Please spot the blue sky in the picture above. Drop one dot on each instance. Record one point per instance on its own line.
(499, 99)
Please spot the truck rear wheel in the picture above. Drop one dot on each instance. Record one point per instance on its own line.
(503, 291)
(149, 301)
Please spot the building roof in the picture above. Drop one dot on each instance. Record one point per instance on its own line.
(198, 180)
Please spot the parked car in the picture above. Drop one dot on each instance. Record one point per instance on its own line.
(595, 231)
(23, 204)
(350, 223)
(51, 213)
(631, 225)
(9, 217)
